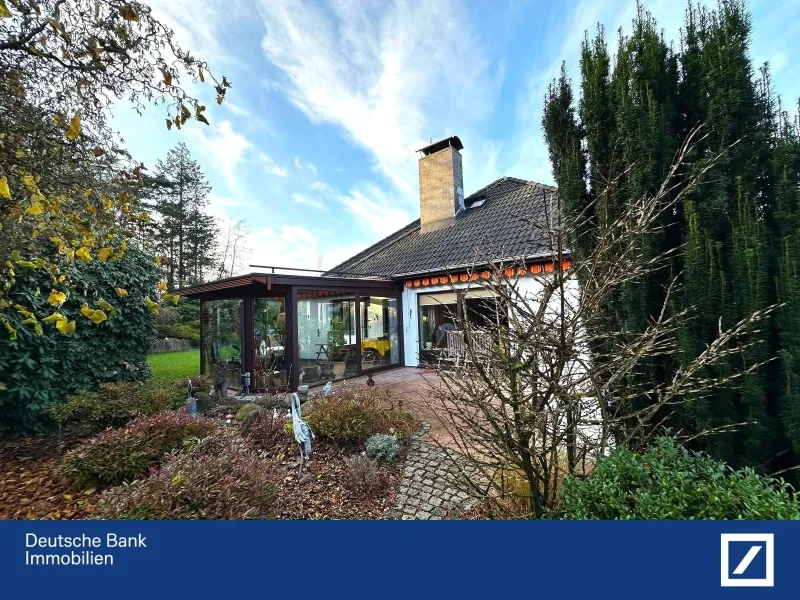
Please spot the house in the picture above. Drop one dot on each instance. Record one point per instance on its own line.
(385, 306)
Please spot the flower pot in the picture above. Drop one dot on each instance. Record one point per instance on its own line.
(339, 369)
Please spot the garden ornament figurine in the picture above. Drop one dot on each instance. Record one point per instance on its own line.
(220, 380)
(328, 389)
(191, 403)
(302, 432)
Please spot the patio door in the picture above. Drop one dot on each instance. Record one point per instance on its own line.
(380, 337)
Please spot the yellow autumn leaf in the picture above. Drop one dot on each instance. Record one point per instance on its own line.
(5, 13)
(98, 316)
(4, 191)
(107, 203)
(20, 153)
(56, 298)
(26, 314)
(87, 193)
(54, 318)
(105, 306)
(151, 306)
(121, 292)
(74, 128)
(12, 333)
(35, 208)
(84, 254)
(66, 327)
(128, 13)
(162, 286)
(30, 183)
(104, 253)
(3, 386)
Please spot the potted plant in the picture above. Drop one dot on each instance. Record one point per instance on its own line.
(337, 348)
(428, 332)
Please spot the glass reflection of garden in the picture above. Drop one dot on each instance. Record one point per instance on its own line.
(221, 322)
(270, 367)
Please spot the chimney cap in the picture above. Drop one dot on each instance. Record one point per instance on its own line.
(441, 145)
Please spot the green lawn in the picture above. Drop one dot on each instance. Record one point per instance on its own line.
(175, 365)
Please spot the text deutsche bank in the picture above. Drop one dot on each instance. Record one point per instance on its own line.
(79, 550)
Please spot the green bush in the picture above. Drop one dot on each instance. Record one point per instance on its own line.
(116, 404)
(215, 478)
(40, 370)
(350, 416)
(383, 447)
(669, 482)
(181, 331)
(343, 421)
(119, 455)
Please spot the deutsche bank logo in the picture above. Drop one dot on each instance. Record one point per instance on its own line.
(748, 559)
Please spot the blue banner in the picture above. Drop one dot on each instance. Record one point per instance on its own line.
(400, 559)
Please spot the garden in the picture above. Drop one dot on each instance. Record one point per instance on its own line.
(133, 451)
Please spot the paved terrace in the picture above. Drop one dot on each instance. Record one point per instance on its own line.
(429, 489)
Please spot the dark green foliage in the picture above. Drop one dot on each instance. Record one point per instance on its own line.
(669, 482)
(116, 404)
(38, 371)
(215, 478)
(383, 447)
(120, 455)
(737, 231)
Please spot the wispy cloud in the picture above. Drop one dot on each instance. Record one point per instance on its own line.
(305, 166)
(389, 75)
(270, 166)
(301, 199)
(225, 149)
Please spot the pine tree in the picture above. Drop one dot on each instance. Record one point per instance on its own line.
(185, 235)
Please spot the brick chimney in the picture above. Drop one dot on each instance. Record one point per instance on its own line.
(441, 184)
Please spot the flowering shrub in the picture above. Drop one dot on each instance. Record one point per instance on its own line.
(669, 482)
(215, 478)
(119, 455)
(383, 447)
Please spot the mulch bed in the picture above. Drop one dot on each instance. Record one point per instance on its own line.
(28, 487)
(324, 493)
(30, 490)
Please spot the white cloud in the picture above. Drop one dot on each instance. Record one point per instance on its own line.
(374, 212)
(224, 148)
(307, 166)
(389, 75)
(324, 188)
(301, 199)
(271, 167)
(295, 246)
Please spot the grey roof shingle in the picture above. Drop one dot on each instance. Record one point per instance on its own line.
(507, 226)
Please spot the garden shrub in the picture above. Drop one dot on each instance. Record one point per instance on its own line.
(349, 417)
(39, 370)
(343, 421)
(363, 474)
(265, 431)
(669, 482)
(119, 455)
(383, 447)
(116, 404)
(214, 478)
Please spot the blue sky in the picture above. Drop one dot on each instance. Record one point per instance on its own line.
(315, 144)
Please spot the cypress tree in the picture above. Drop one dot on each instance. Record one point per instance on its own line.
(738, 230)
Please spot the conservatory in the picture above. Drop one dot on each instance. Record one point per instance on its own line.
(274, 332)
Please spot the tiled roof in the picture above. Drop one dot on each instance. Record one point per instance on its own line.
(506, 226)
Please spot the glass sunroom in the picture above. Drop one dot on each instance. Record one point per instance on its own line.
(283, 331)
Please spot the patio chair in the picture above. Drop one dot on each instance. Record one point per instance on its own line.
(482, 343)
(455, 345)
